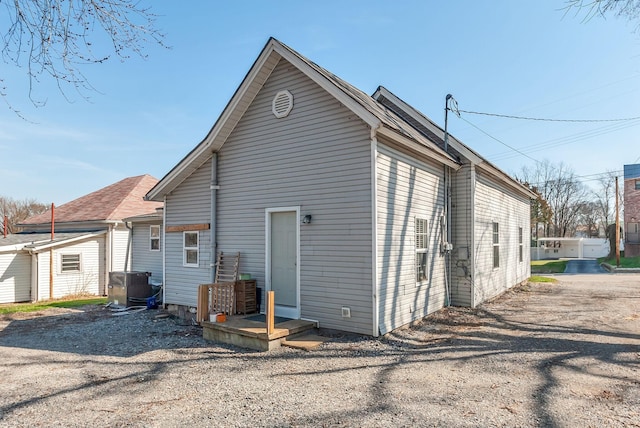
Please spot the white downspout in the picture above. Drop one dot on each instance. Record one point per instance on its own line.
(472, 250)
(129, 252)
(107, 258)
(34, 277)
(374, 231)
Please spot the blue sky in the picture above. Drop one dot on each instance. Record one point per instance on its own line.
(508, 57)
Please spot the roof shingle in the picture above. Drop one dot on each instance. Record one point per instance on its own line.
(112, 203)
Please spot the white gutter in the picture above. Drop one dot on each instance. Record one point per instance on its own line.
(418, 148)
(49, 244)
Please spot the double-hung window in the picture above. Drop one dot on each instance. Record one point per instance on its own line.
(520, 248)
(496, 245)
(191, 248)
(154, 237)
(422, 242)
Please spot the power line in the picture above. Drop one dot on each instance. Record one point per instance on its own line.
(541, 119)
(569, 139)
(501, 142)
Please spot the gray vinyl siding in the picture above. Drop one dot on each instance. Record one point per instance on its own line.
(317, 158)
(189, 203)
(461, 234)
(494, 203)
(90, 278)
(142, 258)
(407, 189)
(15, 277)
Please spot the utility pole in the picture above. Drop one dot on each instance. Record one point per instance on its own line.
(617, 227)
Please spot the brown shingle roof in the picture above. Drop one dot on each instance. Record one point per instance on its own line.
(115, 202)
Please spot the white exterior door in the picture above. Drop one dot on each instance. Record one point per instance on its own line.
(282, 261)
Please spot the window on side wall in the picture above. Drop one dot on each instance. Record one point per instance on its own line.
(191, 248)
(69, 263)
(422, 242)
(154, 237)
(637, 184)
(496, 246)
(520, 248)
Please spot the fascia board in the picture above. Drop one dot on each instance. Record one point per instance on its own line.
(348, 101)
(203, 151)
(419, 148)
(44, 246)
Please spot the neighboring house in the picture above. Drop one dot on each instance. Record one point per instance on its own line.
(580, 248)
(90, 240)
(351, 208)
(632, 210)
(146, 243)
(25, 265)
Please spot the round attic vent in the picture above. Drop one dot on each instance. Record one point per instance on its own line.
(282, 104)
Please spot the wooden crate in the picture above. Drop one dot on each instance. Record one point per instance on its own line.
(245, 293)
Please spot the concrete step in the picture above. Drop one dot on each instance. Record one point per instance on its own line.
(305, 341)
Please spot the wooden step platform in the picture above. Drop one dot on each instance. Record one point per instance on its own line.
(245, 333)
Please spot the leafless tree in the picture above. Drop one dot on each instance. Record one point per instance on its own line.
(55, 38)
(626, 9)
(565, 194)
(604, 196)
(17, 211)
(588, 219)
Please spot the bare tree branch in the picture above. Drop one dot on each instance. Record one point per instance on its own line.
(55, 38)
(626, 9)
(18, 211)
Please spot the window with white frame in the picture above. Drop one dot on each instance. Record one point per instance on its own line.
(520, 248)
(190, 248)
(154, 237)
(637, 187)
(496, 245)
(69, 263)
(422, 242)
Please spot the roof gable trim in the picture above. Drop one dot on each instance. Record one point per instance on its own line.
(272, 53)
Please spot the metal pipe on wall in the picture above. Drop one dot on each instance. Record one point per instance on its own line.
(213, 217)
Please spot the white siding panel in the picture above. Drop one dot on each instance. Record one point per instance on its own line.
(90, 279)
(190, 203)
(317, 158)
(496, 204)
(121, 257)
(15, 277)
(406, 190)
(143, 259)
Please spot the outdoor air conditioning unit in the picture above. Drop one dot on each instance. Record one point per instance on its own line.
(129, 288)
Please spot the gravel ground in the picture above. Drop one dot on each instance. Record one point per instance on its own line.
(563, 355)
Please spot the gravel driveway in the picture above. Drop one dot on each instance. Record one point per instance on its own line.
(563, 355)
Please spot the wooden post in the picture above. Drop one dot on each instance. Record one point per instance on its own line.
(271, 310)
(617, 227)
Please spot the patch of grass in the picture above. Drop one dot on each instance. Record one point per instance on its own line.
(625, 262)
(548, 266)
(542, 279)
(62, 303)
